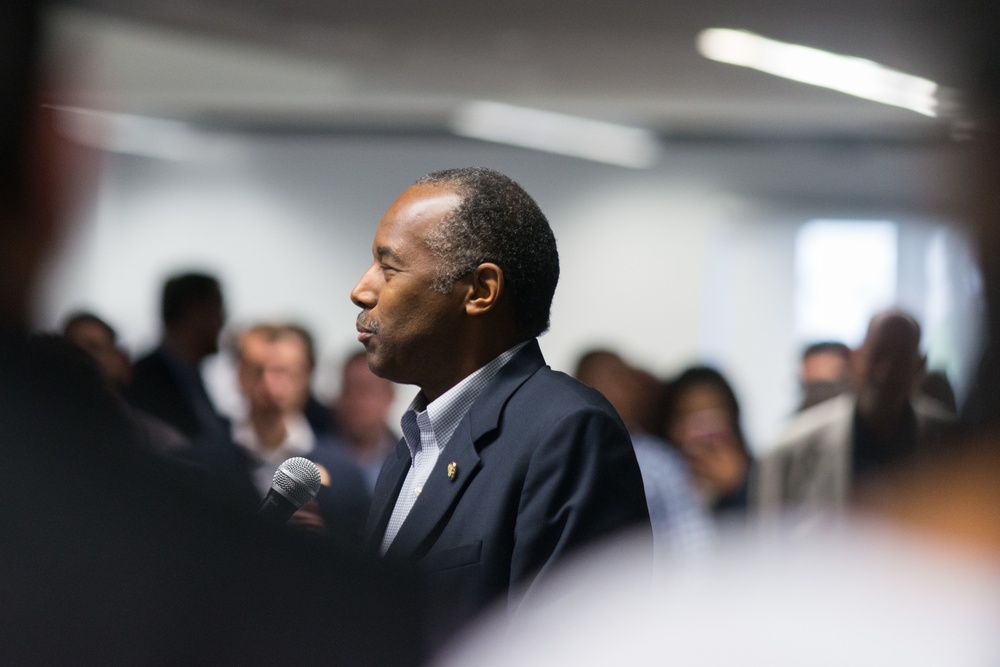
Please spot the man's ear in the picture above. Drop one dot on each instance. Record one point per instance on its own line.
(485, 289)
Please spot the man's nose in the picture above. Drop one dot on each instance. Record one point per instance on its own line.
(364, 295)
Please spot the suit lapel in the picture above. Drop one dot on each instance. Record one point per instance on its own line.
(390, 481)
(442, 491)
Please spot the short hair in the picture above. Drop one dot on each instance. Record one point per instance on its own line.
(827, 346)
(84, 316)
(498, 222)
(20, 65)
(277, 330)
(184, 292)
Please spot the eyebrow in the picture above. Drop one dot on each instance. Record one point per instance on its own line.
(381, 252)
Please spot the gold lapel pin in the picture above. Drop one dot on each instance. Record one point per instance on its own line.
(452, 470)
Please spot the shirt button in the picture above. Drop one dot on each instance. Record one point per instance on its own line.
(417, 490)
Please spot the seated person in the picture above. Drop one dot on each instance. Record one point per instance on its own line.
(701, 417)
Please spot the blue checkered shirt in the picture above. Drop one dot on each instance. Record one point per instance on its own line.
(427, 428)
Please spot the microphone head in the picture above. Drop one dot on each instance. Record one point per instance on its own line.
(297, 479)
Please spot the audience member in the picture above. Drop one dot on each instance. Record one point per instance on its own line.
(99, 339)
(506, 466)
(275, 373)
(829, 449)
(824, 372)
(167, 382)
(701, 417)
(362, 411)
(681, 527)
(113, 555)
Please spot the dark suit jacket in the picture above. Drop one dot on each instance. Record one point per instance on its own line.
(156, 389)
(542, 464)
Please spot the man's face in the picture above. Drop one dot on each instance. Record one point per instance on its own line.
(889, 364)
(824, 374)
(408, 329)
(824, 367)
(274, 374)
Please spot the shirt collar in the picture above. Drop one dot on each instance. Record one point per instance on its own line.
(298, 441)
(446, 412)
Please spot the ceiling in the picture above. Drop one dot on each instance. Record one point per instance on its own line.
(404, 65)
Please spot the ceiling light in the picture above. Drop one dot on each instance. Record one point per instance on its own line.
(847, 74)
(557, 133)
(141, 135)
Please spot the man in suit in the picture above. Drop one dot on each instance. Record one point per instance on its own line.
(830, 450)
(167, 381)
(505, 466)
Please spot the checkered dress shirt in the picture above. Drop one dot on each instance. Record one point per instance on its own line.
(428, 428)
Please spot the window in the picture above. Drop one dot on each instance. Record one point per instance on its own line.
(845, 270)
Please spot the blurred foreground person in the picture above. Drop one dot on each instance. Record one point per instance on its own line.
(828, 451)
(910, 577)
(111, 554)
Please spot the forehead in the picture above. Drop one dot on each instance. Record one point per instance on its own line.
(259, 348)
(701, 396)
(414, 214)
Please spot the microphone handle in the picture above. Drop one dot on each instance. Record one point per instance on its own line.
(276, 508)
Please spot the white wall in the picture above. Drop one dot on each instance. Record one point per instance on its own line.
(689, 261)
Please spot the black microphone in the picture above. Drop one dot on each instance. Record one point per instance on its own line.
(295, 482)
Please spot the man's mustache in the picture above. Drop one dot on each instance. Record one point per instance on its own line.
(367, 324)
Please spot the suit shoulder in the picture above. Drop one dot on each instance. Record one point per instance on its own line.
(557, 394)
(812, 421)
(149, 366)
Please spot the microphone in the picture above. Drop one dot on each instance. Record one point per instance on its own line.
(295, 482)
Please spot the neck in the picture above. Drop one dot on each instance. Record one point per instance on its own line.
(181, 347)
(269, 427)
(489, 343)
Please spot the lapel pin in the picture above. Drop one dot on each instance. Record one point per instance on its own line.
(452, 470)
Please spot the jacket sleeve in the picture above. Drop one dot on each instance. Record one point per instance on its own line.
(582, 484)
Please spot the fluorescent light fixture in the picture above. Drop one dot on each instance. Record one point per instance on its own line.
(140, 135)
(557, 133)
(847, 74)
